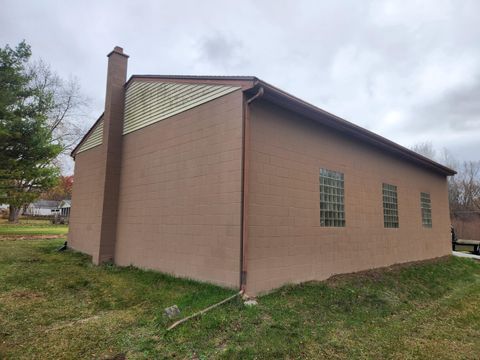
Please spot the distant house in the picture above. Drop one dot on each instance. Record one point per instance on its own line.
(62, 212)
(64, 208)
(233, 181)
(42, 208)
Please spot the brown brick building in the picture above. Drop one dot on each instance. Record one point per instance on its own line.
(233, 181)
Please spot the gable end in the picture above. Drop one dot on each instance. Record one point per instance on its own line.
(149, 102)
(94, 138)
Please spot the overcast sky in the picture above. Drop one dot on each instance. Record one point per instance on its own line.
(409, 71)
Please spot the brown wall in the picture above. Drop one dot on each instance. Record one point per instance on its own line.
(467, 226)
(286, 242)
(180, 194)
(87, 201)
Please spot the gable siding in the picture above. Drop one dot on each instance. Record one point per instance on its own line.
(94, 139)
(149, 102)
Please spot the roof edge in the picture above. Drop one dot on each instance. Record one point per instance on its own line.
(74, 151)
(282, 98)
(300, 106)
(239, 78)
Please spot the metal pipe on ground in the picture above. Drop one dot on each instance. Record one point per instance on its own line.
(175, 324)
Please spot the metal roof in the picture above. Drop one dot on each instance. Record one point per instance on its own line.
(45, 204)
(195, 77)
(292, 103)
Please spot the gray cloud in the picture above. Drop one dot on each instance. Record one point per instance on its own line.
(405, 69)
(459, 108)
(222, 52)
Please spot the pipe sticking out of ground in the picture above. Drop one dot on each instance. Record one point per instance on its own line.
(175, 324)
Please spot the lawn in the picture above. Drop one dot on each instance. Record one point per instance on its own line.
(31, 227)
(57, 305)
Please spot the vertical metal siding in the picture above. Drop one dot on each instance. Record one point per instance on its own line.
(149, 102)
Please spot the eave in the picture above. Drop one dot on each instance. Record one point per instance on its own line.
(292, 103)
(74, 151)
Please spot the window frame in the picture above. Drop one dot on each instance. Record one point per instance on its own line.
(426, 208)
(391, 218)
(332, 198)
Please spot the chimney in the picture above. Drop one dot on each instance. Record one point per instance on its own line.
(112, 152)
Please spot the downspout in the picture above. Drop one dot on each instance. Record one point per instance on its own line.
(245, 170)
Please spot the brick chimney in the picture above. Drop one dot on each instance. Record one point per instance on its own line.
(112, 147)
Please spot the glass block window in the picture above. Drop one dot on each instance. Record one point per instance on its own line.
(426, 207)
(332, 208)
(390, 206)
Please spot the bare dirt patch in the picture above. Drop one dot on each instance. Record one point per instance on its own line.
(30, 237)
(23, 295)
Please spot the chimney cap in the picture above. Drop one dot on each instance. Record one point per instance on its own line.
(117, 50)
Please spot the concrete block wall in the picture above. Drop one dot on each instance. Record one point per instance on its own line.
(286, 243)
(180, 194)
(87, 201)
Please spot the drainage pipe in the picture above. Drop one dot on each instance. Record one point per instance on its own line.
(246, 167)
(175, 324)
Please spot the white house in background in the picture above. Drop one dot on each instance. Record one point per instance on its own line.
(64, 208)
(42, 208)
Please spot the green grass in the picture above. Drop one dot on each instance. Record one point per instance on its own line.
(57, 305)
(31, 227)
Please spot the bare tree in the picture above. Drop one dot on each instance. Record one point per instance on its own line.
(426, 149)
(67, 117)
(446, 158)
(463, 188)
(469, 181)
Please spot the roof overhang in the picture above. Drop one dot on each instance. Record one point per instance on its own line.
(74, 151)
(292, 103)
(245, 82)
(250, 84)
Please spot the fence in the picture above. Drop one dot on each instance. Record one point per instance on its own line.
(466, 224)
